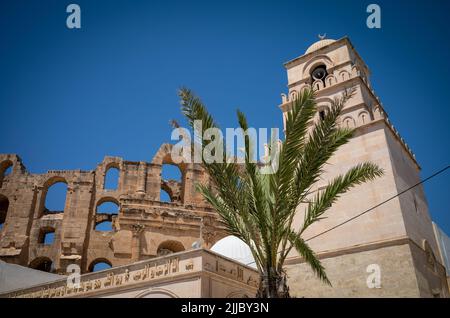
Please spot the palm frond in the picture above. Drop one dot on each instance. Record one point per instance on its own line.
(309, 256)
(323, 200)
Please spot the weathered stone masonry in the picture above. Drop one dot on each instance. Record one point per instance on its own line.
(143, 228)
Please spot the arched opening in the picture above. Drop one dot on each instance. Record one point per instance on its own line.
(169, 247)
(105, 216)
(157, 293)
(46, 236)
(5, 170)
(55, 198)
(171, 181)
(111, 179)
(318, 74)
(171, 172)
(234, 248)
(4, 205)
(42, 264)
(99, 265)
(322, 114)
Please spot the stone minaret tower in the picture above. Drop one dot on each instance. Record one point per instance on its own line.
(395, 240)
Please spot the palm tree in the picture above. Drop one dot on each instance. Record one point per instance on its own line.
(260, 208)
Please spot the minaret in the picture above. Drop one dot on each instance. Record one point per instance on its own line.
(397, 237)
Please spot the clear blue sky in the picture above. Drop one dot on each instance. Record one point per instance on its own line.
(70, 97)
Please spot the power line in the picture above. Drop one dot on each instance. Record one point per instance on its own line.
(379, 204)
(374, 207)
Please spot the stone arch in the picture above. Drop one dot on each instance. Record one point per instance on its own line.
(316, 61)
(97, 261)
(106, 199)
(42, 263)
(355, 71)
(363, 117)
(4, 166)
(349, 122)
(377, 112)
(4, 205)
(318, 85)
(304, 88)
(157, 293)
(330, 80)
(48, 184)
(172, 182)
(109, 176)
(293, 95)
(169, 247)
(105, 221)
(324, 101)
(344, 75)
(237, 294)
(163, 157)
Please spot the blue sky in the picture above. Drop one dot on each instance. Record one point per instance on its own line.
(70, 97)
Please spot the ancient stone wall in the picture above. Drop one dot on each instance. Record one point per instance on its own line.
(143, 228)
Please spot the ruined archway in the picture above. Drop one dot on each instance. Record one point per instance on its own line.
(169, 247)
(4, 205)
(47, 235)
(106, 213)
(54, 196)
(44, 264)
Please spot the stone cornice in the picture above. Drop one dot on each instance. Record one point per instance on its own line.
(172, 267)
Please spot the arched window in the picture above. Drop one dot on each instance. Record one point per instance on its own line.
(112, 179)
(99, 265)
(169, 247)
(46, 236)
(170, 175)
(42, 264)
(318, 74)
(105, 215)
(55, 198)
(4, 204)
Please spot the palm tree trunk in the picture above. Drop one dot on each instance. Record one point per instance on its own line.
(273, 285)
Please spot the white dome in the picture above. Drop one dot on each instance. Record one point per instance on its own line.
(232, 247)
(319, 44)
